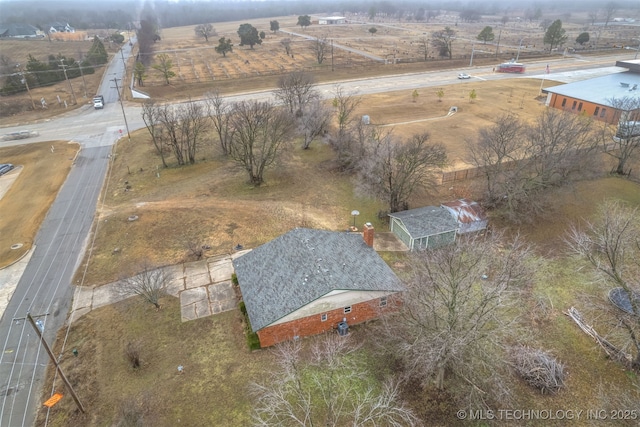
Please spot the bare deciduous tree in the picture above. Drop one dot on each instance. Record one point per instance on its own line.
(181, 128)
(521, 161)
(193, 123)
(313, 121)
(623, 146)
(132, 353)
(151, 118)
(495, 148)
(286, 43)
(218, 112)
(150, 283)
(611, 244)
(393, 170)
(330, 388)
(443, 41)
(350, 146)
(164, 66)
(259, 136)
(460, 308)
(423, 47)
(320, 47)
(295, 90)
(610, 9)
(205, 30)
(345, 105)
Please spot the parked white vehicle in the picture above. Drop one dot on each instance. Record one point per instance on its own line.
(98, 102)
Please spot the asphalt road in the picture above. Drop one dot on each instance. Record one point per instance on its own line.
(45, 289)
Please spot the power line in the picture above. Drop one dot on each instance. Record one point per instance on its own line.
(115, 80)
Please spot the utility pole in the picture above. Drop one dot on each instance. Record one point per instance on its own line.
(84, 84)
(124, 63)
(331, 54)
(519, 46)
(55, 362)
(115, 80)
(473, 49)
(64, 69)
(498, 44)
(23, 79)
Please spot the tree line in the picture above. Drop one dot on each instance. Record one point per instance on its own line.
(519, 161)
(37, 73)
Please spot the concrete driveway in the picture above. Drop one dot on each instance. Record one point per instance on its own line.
(204, 288)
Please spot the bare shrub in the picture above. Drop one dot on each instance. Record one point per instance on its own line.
(150, 283)
(195, 249)
(130, 414)
(132, 353)
(542, 309)
(539, 369)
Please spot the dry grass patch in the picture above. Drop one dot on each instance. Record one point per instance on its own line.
(210, 202)
(212, 391)
(396, 111)
(26, 203)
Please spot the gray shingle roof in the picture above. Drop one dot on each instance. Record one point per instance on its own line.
(426, 221)
(17, 30)
(301, 266)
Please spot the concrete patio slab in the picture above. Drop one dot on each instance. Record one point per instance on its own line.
(197, 280)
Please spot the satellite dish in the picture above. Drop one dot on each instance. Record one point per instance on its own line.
(354, 212)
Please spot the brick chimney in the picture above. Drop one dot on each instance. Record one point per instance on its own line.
(368, 234)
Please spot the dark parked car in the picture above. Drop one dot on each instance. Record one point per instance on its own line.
(4, 168)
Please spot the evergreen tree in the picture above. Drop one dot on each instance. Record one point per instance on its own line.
(555, 35)
(224, 46)
(42, 72)
(248, 35)
(582, 38)
(97, 54)
(486, 35)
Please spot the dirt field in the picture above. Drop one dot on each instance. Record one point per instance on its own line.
(199, 67)
(197, 63)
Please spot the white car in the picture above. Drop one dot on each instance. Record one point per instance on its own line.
(464, 76)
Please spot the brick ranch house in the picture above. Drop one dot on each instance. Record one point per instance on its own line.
(306, 282)
(593, 97)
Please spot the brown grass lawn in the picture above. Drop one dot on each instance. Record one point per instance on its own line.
(27, 201)
(209, 203)
(219, 369)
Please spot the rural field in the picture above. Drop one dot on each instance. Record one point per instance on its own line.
(210, 203)
(198, 67)
(16, 109)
